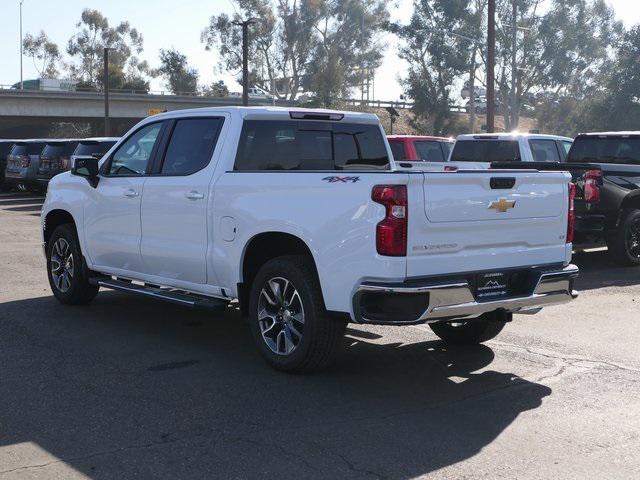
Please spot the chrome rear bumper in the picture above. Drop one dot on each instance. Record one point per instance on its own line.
(442, 300)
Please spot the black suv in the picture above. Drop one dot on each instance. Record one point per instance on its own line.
(94, 147)
(55, 158)
(5, 148)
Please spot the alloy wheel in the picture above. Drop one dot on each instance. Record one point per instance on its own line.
(633, 239)
(62, 265)
(280, 316)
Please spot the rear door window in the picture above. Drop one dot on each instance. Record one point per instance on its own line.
(486, 151)
(544, 151)
(191, 146)
(310, 145)
(429, 151)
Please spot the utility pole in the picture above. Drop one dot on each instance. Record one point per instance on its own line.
(245, 58)
(514, 67)
(472, 91)
(107, 129)
(491, 65)
(21, 47)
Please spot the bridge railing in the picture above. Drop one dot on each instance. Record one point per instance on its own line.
(232, 99)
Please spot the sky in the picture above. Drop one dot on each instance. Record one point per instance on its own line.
(167, 24)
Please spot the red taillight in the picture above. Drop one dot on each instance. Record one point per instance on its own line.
(391, 233)
(592, 186)
(571, 220)
(450, 168)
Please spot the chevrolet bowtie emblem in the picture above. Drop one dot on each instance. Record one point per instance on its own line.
(502, 205)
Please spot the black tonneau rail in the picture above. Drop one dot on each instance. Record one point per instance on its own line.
(545, 166)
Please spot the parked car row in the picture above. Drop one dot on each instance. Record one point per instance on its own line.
(30, 164)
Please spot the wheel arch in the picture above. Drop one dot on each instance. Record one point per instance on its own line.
(631, 201)
(260, 249)
(53, 220)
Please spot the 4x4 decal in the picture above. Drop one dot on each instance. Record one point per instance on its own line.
(341, 179)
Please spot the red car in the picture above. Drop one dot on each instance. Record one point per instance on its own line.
(413, 148)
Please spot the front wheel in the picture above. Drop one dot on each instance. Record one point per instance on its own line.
(67, 276)
(288, 319)
(470, 332)
(624, 244)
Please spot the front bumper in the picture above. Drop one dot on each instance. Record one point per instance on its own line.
(438, 299)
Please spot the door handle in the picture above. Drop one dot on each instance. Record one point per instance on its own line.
(193, 195)
(131, 193)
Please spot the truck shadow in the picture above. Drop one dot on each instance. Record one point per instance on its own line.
(130, 387)
(597, 270)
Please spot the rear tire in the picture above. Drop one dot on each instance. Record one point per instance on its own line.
(68, 277)
(624, 244)
(288, 319)
(472, 332)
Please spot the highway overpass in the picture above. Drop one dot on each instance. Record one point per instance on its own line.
(32, 113)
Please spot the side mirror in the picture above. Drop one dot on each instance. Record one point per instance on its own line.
(88, 168)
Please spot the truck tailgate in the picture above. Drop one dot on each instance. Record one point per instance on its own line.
(488, 220)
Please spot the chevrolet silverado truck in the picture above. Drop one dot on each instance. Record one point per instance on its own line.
(300, 218)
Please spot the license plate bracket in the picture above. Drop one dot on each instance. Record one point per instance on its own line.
(492, 285)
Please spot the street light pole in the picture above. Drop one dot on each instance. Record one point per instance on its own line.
(21, 47)
(107, 123)
(491, 65)
(245, 58)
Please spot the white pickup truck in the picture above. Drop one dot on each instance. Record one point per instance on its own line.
(303, 219)
(478, 151)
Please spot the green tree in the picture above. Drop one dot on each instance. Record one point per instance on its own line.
(179, 77)
(87, 46)
(44, 53)
(321, 44)
(436, 56)
(216, 89)
(566, 50)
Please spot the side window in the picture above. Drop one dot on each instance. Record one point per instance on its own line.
(397, 148)
(565, 146)
(544, 151)
(429, 151)
(133, 155)
(191, 146)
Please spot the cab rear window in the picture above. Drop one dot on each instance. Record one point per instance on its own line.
(310, 145)
(623, 150)
(486, 151)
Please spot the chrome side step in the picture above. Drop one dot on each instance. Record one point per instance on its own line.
(166, 294)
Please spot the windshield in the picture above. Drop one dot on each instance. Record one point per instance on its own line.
(605, 150)
(486, 151)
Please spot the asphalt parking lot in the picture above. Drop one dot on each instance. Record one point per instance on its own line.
(132, 388)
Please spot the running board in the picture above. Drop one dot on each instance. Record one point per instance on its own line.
(167, 294)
